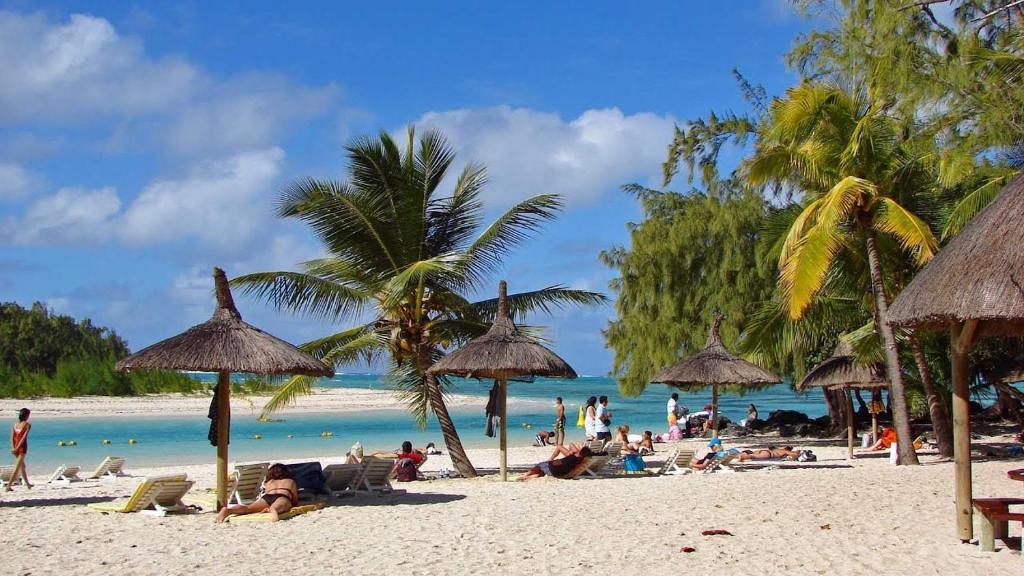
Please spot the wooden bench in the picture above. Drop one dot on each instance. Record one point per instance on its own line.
(995, 518)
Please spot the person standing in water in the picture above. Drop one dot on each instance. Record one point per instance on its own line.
(559, 421)
(19, 448)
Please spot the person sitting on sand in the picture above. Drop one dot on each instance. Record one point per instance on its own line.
(644, 446)
(622, 434)
(543, 438)
(280, 494)
(407, 451)
(431, 449)
(886, 438)
(567, 466)
(769, 453)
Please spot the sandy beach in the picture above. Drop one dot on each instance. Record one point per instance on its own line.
(320, 400)
(830, 517)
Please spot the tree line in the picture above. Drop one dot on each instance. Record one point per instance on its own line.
(47, 354)
(901, 128)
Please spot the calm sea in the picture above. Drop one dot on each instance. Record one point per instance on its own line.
(181, 439)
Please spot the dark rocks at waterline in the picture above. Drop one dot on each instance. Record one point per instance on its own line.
(786, 423)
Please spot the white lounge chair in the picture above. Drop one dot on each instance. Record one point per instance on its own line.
(677, 461)
(248, 482)
(64, 474)
(595, 466)
(721, 464)
(596, 445)
(342, 478)
(156, 496)
(376, 475)
(111, 467)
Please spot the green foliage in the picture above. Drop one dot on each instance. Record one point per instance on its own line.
(690, 255)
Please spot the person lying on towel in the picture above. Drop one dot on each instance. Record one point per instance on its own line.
(280, 494)
(573, 457)
(770, 453)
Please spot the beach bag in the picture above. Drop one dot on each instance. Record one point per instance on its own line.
(581, 420)
(633, 463)
(807, 456)
(405, 470)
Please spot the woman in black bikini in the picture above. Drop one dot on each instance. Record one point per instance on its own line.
(280, 493)
(769, 453)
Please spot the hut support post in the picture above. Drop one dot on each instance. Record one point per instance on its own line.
(714, 410)
(874, 427)
(223, 428)
(961, 336)
(851, 426)
(503, 434)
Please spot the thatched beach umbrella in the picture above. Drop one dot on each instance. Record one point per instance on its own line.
(973, 288)
(714, 366)
(225, 344)
(843, 371)
(501, 354)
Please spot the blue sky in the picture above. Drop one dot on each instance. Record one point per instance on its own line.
(143, 143)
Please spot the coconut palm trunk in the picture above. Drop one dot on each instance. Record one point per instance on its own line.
(897, 391)
(940, 419)
(451, 437)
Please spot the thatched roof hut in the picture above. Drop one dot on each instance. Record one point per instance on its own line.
(225, 344)
(974, 287)
(503, 353)
(842, 370)
(978, 276)
(714, 366)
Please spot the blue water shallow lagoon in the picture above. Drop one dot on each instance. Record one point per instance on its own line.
(181, 438)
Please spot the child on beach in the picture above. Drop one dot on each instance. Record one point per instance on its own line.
(19, 448)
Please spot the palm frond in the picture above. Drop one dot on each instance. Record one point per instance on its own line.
(304, 294)
(510, 229)
(287, 393)
(545, 300)
(913, 234)
(968, 207)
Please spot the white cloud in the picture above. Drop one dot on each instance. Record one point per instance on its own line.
(220, 203)
(16, 181)
(71, 215)
(82, 67)
(528, 152)
(246, 112)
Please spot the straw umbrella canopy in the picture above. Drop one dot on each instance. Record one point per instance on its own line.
(843, 371)
(225, 344)
(503, 353)
(715, 366)
(972, 288)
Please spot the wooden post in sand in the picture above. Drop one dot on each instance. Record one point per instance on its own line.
(714, 410)
(503, 434)
(223, 434)
(851, 425)
(961, 336)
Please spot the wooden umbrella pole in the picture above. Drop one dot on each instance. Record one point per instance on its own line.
(874, 427)
(850, 425)
(502, 435)
(714, 410)
(223, 433)
(960, 337)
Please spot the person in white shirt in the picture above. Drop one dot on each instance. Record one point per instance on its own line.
(603, 418)
(590, 417)
(673, 407)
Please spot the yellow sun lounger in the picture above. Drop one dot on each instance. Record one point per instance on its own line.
(265, 516)
(162, 493)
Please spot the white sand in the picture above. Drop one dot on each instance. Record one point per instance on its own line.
(321, 400)
(864, 517)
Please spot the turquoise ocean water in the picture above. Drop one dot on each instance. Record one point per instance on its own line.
(181, 438)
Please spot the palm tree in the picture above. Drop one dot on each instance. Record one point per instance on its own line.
(401, 259)
(856, 172)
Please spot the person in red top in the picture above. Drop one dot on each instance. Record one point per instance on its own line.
(416, 456)
(19, 448)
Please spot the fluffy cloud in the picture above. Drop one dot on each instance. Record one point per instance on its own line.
(220, 203)
(71, 215)
(62, 71)
(529, 152)
(16, 181)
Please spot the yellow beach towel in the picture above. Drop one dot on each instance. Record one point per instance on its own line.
(581, 420)
(265, 516)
